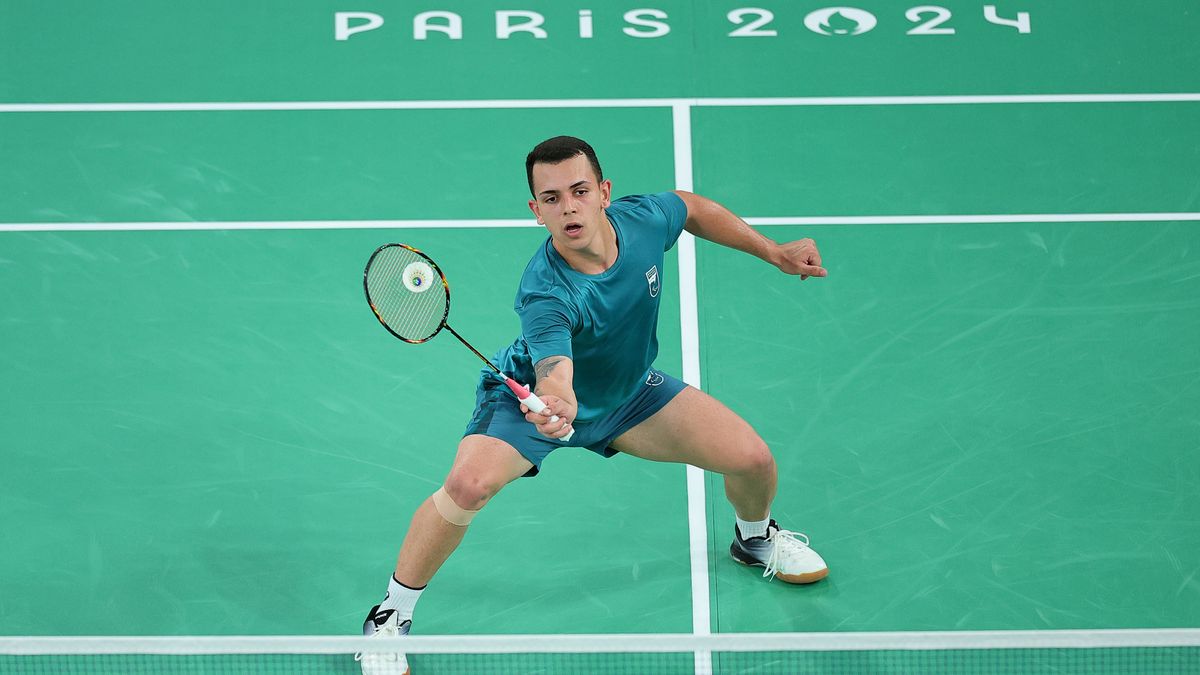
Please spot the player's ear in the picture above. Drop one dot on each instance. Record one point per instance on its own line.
(606, 192)
(537, 213)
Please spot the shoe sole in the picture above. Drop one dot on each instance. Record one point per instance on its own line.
(807, 578)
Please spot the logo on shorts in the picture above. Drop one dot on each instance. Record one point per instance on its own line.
(654, 379)
(652, 279)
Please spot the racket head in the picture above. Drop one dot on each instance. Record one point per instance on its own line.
(407, 292)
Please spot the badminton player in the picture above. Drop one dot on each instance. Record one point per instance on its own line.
(588, 303)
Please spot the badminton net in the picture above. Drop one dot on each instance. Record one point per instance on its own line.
(1147, 652)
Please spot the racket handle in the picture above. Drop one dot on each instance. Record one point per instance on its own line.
(531, 401)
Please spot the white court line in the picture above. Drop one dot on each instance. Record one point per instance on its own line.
(689, 332)
(270, 225)
(493, 104)
(611, 644)
(529, 222)
(970, 219)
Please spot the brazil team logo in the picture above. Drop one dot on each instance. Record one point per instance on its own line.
(652, 279)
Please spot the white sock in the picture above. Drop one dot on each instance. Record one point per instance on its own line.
(752, 528)
(401, 598)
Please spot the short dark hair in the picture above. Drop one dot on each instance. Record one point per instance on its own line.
(560, 149)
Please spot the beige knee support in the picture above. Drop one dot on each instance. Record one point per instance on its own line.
(453, 513)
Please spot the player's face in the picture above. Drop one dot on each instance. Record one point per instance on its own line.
(569, 201)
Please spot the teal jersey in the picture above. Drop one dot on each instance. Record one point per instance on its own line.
(605, 323)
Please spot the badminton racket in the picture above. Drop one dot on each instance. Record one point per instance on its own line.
(410, 296)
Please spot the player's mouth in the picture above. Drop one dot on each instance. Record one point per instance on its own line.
(573, 229)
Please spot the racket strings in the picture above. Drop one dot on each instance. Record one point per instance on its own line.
(412, 315)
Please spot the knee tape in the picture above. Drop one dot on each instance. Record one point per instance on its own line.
(453, 513)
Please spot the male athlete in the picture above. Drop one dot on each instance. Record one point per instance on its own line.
(588, 304)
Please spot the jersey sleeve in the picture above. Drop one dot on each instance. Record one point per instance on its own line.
(674, 213)
(546, 325)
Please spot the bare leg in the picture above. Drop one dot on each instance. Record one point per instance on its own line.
(697, 429)
(482, 467)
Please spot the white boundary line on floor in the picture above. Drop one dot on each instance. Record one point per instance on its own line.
(271, 225)
(689, 332)
(465, 223)
(798, 101)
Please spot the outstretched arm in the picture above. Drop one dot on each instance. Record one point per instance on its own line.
(554, 386)
(709, 220)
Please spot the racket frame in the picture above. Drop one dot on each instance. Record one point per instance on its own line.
(445, 287)
(523, 394)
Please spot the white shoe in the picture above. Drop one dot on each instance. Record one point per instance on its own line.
(782, 553)
(385, 624)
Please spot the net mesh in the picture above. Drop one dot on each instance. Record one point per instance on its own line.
(1147, 661)
(407, 293)
(641, 655)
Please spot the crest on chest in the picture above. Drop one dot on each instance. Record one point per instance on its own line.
(652, 280)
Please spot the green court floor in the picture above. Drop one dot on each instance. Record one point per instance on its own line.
(980, 424)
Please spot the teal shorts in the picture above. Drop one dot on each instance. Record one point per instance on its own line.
(498, 415)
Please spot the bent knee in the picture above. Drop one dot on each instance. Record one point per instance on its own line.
(470, 491)
(756, 459)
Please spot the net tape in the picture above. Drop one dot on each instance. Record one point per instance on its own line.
(607, 643)
(994, 652)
